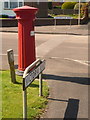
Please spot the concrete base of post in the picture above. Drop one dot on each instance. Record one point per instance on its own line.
(19, 73)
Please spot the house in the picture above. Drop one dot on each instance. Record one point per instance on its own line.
(57, 3)
(43, 8)
(6, 7)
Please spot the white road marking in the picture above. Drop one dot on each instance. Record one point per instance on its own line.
(79, 61)
(70, 59)
(6, 54)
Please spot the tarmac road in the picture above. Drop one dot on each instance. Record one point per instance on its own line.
(58, 29)
(66, 71)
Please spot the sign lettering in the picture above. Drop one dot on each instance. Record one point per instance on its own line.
(33, 74)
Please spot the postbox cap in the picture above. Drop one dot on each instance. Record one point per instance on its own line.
(25, 11)
(25, 8)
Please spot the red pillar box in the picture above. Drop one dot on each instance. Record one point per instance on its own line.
(26, 38)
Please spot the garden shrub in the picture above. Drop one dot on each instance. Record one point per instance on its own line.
(82, 8)
(76, 7)
(57, 7)
(4, 16)
(68, 5)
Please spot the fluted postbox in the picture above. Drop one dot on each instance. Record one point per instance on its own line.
(26, 37)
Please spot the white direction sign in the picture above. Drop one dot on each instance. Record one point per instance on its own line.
(63, 17)
(33, 74)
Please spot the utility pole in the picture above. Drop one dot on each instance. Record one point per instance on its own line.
(79, 14)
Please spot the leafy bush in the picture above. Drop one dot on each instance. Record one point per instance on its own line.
(57, 7)
(68, 5)
(4, 16)
(82, 8)
(82, 5)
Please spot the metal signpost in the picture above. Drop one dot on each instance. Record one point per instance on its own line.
(11, 64)
(79, 14)
(63, 17)
(30, 74)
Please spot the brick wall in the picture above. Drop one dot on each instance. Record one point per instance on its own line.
(42, 22)
(43, 11)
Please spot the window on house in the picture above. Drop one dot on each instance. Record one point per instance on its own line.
(13, 5)
(10, 4)
(20, 4)
(6, 4)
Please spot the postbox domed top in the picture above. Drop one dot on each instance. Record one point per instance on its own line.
(26, 8)
(25, 12)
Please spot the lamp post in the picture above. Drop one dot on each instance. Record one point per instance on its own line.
(38, 2)
(79, 14)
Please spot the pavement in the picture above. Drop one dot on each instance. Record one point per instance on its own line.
(66, 55)
(62, 29)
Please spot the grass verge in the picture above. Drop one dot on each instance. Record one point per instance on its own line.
(12, 97)
(74, 16)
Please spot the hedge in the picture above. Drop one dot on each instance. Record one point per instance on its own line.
(68, 5)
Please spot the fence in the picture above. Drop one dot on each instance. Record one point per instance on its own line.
(62, 11)
(42, 22)
(89, 13)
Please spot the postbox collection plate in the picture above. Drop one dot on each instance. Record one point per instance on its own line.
(32, 33)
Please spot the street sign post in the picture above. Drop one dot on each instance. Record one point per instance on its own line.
(30, 74)
(79, 14)
(62, 17)
(11, 64)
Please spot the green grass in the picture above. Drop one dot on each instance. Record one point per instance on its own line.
(4, 18)
(74, 16)
(12, 97)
